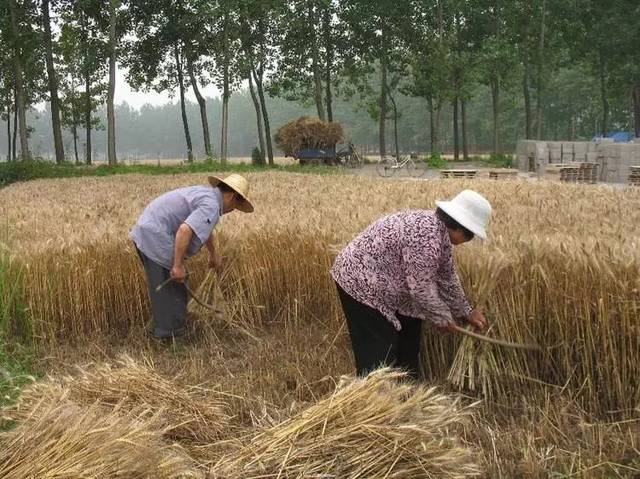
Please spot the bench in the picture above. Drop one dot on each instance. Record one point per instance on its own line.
(458, 173)
(634, 175)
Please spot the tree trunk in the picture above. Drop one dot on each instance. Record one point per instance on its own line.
(328, 45)
(603, 94)
(495, 102)
(395, 125)
(183, 109)
(383, 104)
(53, 84)
(225, 91)
(74, 119)
(111, 116)
(14, 143)
(539, 108)
(203, 109)
(465, 145)
(636, 109)
(436, 128)
(74, 131)
(432, 143)
(456, 140)
(315, 65)
(9, 128)
(87, 116)
(256, 105)
(225, 116)
(19, 91)
(527, 99)
(257, 76)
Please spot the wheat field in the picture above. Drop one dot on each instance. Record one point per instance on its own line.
(561, 269)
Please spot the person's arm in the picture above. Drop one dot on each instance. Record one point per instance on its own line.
(215, 260)
(420, 255)
(183, 238)
(451, 291)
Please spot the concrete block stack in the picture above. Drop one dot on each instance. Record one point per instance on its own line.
(526, 155)
(555, 151)
(613, 159)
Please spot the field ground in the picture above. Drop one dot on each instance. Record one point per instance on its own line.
(252, 393)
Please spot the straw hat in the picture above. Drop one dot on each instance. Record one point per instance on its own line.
(470, 209)
(240, 185)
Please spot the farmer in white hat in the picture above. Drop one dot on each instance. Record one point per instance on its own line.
(174, 227)
(400, 271)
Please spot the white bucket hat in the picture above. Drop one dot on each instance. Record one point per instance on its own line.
(240, 185)
(470, 209)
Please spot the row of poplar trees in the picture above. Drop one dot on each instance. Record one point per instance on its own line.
(66, 52)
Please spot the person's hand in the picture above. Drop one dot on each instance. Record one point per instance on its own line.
(477, 320)
(178, 273)
(215, 262)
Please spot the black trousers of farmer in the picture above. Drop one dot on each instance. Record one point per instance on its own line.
(169, 305)
(376, 342)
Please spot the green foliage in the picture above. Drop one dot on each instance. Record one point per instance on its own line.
(15, 359)
(500, 160)
(436, 161)
(16, 370)
(13, 172)
(257, 158)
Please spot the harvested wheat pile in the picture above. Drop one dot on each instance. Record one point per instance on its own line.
(379, 426)
(192, 414)
(60, 439)
(308, 132)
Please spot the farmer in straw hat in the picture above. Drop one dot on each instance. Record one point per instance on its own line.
(174, 227)
(400, 271)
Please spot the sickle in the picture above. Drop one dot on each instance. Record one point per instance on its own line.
(210, 307)
(499, 342)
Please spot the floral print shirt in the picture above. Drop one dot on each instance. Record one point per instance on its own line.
(403, 263)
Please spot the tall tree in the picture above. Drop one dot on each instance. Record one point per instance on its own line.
(200, 36)
(111, 118)
(431, 68)
(53, 84)
(377, 33)
(15, 16)
(183, 109)
(85, 24)
(310, 54)
(259, 37)
(155, 52)
(498, 58)
(256, 105)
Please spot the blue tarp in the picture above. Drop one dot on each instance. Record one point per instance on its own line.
(316, 153)
(618, 136)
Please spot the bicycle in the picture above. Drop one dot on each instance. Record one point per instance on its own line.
(349, 157)
(387, 166)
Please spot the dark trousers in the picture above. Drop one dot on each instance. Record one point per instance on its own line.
(376, 342)
(169, 305)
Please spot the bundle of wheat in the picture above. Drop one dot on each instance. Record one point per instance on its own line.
(60, 439)
(189, 413)
(307, 132)
(378, 426)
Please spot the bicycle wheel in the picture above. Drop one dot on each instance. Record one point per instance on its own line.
(416, 168)
(386, 167)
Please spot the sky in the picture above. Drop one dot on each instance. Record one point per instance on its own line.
(137, 99)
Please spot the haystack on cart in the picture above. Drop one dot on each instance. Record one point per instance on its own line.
(313, 141)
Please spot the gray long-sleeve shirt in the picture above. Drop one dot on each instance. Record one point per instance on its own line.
(155, 232)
